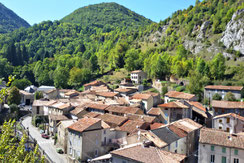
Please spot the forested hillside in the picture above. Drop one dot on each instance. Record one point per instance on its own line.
(87, 43)
(9, 21)
(107, 16)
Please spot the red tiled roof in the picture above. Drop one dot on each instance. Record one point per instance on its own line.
(83, 124)
(136, 71)
(173, 105)
(156, 126)
(92, 115)
(77, 110)
(94, 83)
(222, 87)
(112, 120)
(58, 117)
(227, 104)
(221, 138)
(141, 96)
(154, 111)
(198, 105)
(132, 126)
(106, 94)
(139, 153)
(144, 118)
(179, 95)
(122, 109)
(231, 115)
(124, 90)
(97, 106)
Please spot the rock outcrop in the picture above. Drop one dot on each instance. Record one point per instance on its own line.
(233, 36)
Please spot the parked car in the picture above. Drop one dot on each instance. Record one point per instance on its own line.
(45, 136)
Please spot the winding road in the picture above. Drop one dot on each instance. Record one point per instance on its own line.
(45, 144)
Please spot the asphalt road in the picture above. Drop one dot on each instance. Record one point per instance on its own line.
(45, 144)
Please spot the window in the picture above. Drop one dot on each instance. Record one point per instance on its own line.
(236, 160)
(212, 158)
(228, 129)
(220, 121)
(236, 152)
(228, 120)
(223, 159)
(223, 150)
(104, 132)
(96, 152)
(38, 110)
(176, 144)
(220, 127)
(212, 148)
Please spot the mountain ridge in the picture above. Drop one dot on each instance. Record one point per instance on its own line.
(9, 21)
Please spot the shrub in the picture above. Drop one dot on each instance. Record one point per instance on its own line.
(216, 96)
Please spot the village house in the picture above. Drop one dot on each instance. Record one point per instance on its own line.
(146, 101)
(157, 112)
(84, 139)
(199, 113)
(144, 118)
(140, 153)
(62, 133)
(101, 96)
(124, 91)
(26, 97)
(38, 108)
(230, 122)
(210, 90)
(123, 110)
(94, 83)
(176, 96)
(174, 111)
(219, 146)
(138, 76)
(180, 137)
(78, 112)
(224, 107)
(156, 98)
(132, 126)
(30, 89)
(94, 107)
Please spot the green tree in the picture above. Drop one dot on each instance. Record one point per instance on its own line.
(14, 96)
(218, 66)
(229, 97)
(79, 76)
(21, 83)
(217, 96)
(12, 150)
(61, 76)
(38, 95)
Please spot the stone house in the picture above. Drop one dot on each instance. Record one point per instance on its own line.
(210, 90)
(230, 122)
(26, 97)
(94, 107)
(176, 96)
(180, 137)
(38, 107)
(78, 112)
(219, 146)
(84, 139)
(101, 96)
(132, 126)
(124, 91)
(146, 101)
(112, 120)
(138, 76)
(174, 111)
(224, 107)
(158, 113)
(156, 98)
(62, 133)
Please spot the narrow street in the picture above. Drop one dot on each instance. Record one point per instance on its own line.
(45, 144)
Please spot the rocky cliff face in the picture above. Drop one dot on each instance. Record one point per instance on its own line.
(233, 36)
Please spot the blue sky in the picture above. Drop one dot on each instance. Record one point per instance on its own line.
(36, 11)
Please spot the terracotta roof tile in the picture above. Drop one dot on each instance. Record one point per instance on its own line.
(227, 104)
(94, 83)
(112, 120)
(132, 126)
(92, 115)
(97, 106)
(78, 109)
(83, 124)
(58, 117)
(222, 87)
(173, 105)
(154, 111)
(124, 90)
(156, 125)
(230, 115)
(148, 154)
(122, 109)
(144, 118)
(198, 105)
(179, 95)
(106, 94)
(221, 138)
(141, 96)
